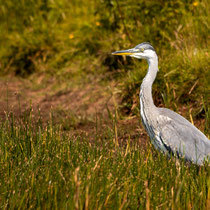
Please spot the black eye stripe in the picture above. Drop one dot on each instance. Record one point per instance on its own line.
(150, 48)
(143, 49)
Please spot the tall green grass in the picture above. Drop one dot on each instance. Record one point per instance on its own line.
(48, 168)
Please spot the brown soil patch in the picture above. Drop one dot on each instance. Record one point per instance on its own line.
(17, 96)
(77, 109)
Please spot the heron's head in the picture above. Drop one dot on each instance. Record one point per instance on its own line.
(142, 51)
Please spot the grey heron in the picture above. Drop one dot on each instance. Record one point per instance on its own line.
(169, 132)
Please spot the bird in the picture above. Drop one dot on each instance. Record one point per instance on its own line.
(169, 132)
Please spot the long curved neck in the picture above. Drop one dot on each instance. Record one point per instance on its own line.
(146, 86)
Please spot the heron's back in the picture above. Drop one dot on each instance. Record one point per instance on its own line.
(181, 137)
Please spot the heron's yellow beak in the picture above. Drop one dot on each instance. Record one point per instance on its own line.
(123, 52)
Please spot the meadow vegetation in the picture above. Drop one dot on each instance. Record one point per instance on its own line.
(47, 168)
(44, 166)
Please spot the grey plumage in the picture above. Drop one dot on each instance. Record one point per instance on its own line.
(145, 46)
(168, 131)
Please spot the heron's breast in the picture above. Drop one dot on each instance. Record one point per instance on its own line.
(150, 123)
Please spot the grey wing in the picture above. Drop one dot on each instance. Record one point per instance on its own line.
(182, 138)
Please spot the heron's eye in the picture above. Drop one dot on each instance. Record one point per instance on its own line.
(142, 50)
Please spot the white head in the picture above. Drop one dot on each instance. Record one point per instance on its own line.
(142, 51)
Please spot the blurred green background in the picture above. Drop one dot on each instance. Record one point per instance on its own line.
(74, 38)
